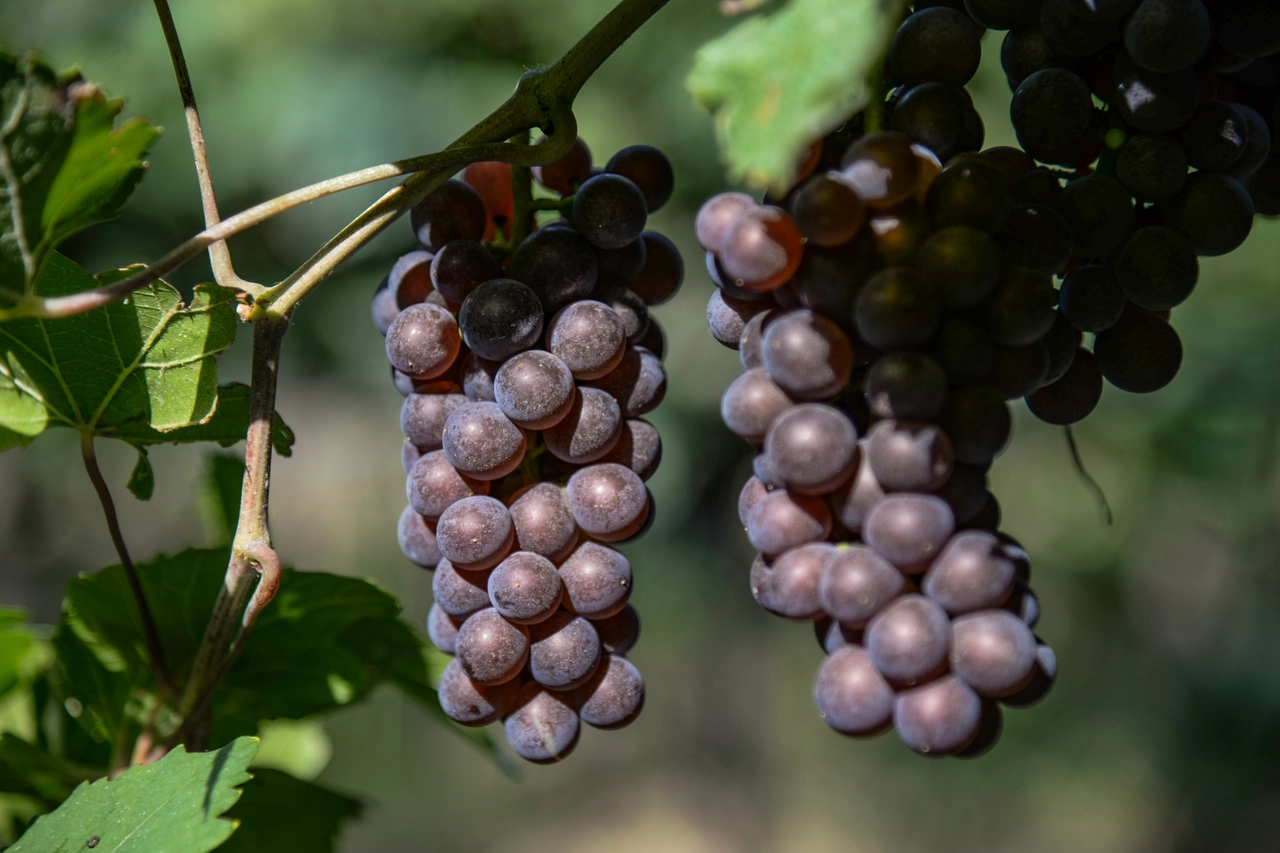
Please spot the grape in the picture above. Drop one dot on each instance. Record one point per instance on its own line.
(930, 168)
(813, 447)
(525, 588)
(807, 354)
(1256, 148)
(544, 522)
(938, 718)
(417, 540)
(1028, 50)
(751, 493)
(832, 636)
(934, 45)
(477, 378)
(750, 347)
(588, 337)
(1072, 397)
(649, 169)
(500, 318)
(827, 210)
(1051, 109)
(610, 211)
(1099, 211)
(978, 422)
(410, 278)
(1061, 342)
(475, 533)
(910, 456)
(466, 702)
(423, 416)
(590, 429)
(762, 249)
(788, 586)
(856, 584)
(751, 404)
(558, 265)
(613, 697)
(1001, 14)
(452, 211)
(1017, 371)
(638, 383)
(1214, 212)
(597, 581)
(534, 389)
(434, 485)
(718, 215)
(442, 629)
(906, 386)
(563, 652)
(1155, 103)
(1091, 299)
(855, 498)
(1167, 35)
(1039, 186)
(899, 232)
(423, 341)
(461, 266)
(973, 572)
(1216, 137)
(1100, 10)
(993, 651)
(1043, 234)
(639, 448)
(988, 518)
(882, 169)
(609, 501)
(459, 594)
(409, 455)
(962, 263)
(971, 192)
(722, 281)
(989, 730)
(908, 640)
(909, 530)
(1024, 604)
(1070, 33)
(964, 351)
(481, 442)
(828, 280)
(618, 633)
(781, 521)
(654, 340)
(1139, 354)
(1250, 29)
(564, 175)
(897, 309)
(965, 492)
(1010, 160)
(1043, 675)
(662, 273)
(631, 309)
(727, 317)
(1021, 310)
(852, 697)
(1156, 269)
(544, 730)
(384, 308)
(491, 179)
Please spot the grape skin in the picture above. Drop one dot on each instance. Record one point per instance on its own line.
(481, 442)
(751, 403)
(434, 485)
(423, 416)
(609, 501)
(588, 337)
(1051, 109)
(897, 309)
(909, 529)
(639, 448)
(851, 695)
(618, 633)
(462, 266)
(500, 318)
(762, 249)
(442, 629)
(938, 718)
(788, 586)
(649, 169)
(882, 169)
(909, 456)
(973, 572)
(544, 730)
(544, 522)
(590, 429)
(851, 502)
(827, 210)
(614, 697)
(978, 422)
(459, 594)
(856, 584)
(452, 211)
(906, 386)
(992, 651)
(908, 640)
(423, 341)
(558, 265)
(1099, 211)
(970, 192)
(564, 175)
(597, 581)
(962, 262)
(475, 533)
(638, 383)
(941, 118)
(534, 389)
(1214, 212)
(410, 278)
(525, 588)
(563, 651)
(934, 45)
(781, 521)
(1072, 397)
(813, 447)
(1140, 354)
(1091, 299)
(417, 540)
(717, 216)
(1167, 35)
(727, 317)
(1021, 310)
(465, 702)
(610, 211)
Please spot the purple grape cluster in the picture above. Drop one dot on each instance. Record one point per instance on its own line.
(526, 372)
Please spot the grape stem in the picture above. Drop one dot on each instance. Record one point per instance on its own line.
(521, 198)
(1098, 493)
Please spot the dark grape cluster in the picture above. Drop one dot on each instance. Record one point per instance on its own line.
(527, 371)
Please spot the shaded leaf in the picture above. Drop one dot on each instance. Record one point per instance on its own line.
(229, 424)
(175, 804)
(93, 691)
(142, 482)
(220, 496)
(281, 814)
(22, 653)
(31, 771)
(778, 82)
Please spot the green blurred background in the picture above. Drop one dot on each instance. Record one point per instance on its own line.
(1164, 731)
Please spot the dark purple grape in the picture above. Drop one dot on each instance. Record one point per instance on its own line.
(462, 266)
(563, 651)
(1051, 109)
(1042, 235)
(610, 211)
(989, 731)
(857, 583)
(544, 730)
(1001, 14)
(423, 341)
(434, 485)
(638, 383)
(442, 629)
(525, 588)
(973, 572)
(609, 501)
(1099, 211)
(618, 633)
(468, 703)
(978, 422)
(1216, 137)
(854, 499)
(630, 308)
(475, 533)
(662, 273)
(597, 581)
(639, 448)
(1024, 604)
(481, 442)
(965, 492)
(1027, 50)
(1153, 168)
(417, 540)
(1043, 675)
(384, 308)
(852, 697)
(899, 233)
(1073, 396)
(1039, 186)
(490, 649)
(1139, 354)
(589, 431)
(564, 175)
(988, 518)
(619, 267)
(477, 378)
(934, 45)
(882, 169)
(500, 318)
(588, 337)
(1090, 298)
(1017, 371)
(964, 351)
(1021, 310)
(654, 340)
(647, 168)
(717, 216)
(780, 521)
(907, 386)
(1256, 148)
(807, 354)
(613, 697)
(908, 640)
(410, 279)
(962, 263)
(762, 250)
(423, 416)
(1073, 35)
(534, 389)
(938, 718)
(1100, 10)
(909, 456)
(909, 530)
(452, 211)
(992, 651)
(970, 192)
(828, 280)
(751, 347)
(1214, 212)
(788, 586)
(727, 317)
(1168, 35)
(1155, 103)
(813, 448)
(827, 210)
(898, 309)
(832, 636)
(459, 594)
(544, 522)
(1061, 343)
(558, 265)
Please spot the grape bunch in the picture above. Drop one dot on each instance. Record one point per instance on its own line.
(527, 367)
(890, 305)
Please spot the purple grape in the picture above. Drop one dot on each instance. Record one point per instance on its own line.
(613, 697)
(973, 572)
(788, 585)
(564, 175)
(462, 266)
(384, 308)
(610, 211)
(832, 636)
(1021, 310)
(619, 632)
(490, 649)
(589, 430)
(965, 491)
(993, 651)
(807, 354)
(477, 378)
(989, 731)
(662, 274)
(423, 341)
(647, 168)
(410, 278)
(1043, 675)
(417, 540)
(938, 718)
(1024, 604)
(782, 520)
(858, 583)
(452, 211)
(906, 386)
(752, 403)
(588, 337)
(534, 389)
(638, 383)
(654, 340)
(639, 448)
(827, 210)
(752, 491)
(500, 318)
(908, 640)
(563, 652)
(909, 456)
(525, 588)
(909, 530)
(481, 442)
(459, 594)
(727, 317)
(630, 308)
(853, 500)
(544, 730)
(475, 533)
(609, 501)
(468, 703)
(423, 416)
(898, 309)
(442, 629)
(852, 697)
(597, 581)
(813, 448)
(751, 347)
(434, 485)
(544, 522)
(558, 265)
(978, 422)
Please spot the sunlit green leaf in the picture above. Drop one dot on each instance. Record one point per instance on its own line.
(281, 814)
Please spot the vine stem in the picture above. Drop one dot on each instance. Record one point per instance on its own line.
(219, 253)
(155, 652)
(521, 198)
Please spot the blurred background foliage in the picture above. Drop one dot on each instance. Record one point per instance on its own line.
(1164, 731)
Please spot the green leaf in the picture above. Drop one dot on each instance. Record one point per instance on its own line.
(92, 681)
(147, 360)
(175, 804)
(142, 482)
(281, 814)
(28, 770)
(22, 653)
(229, 424)
(220, 488)
(777, 83)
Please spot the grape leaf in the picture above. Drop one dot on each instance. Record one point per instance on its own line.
(175, 804)
(145, 361)
(142, 482)
(281, 814)
(93, 690)
(28, 770)
(778, 82)
(220, 496)
(228, 425)
(22, 653)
